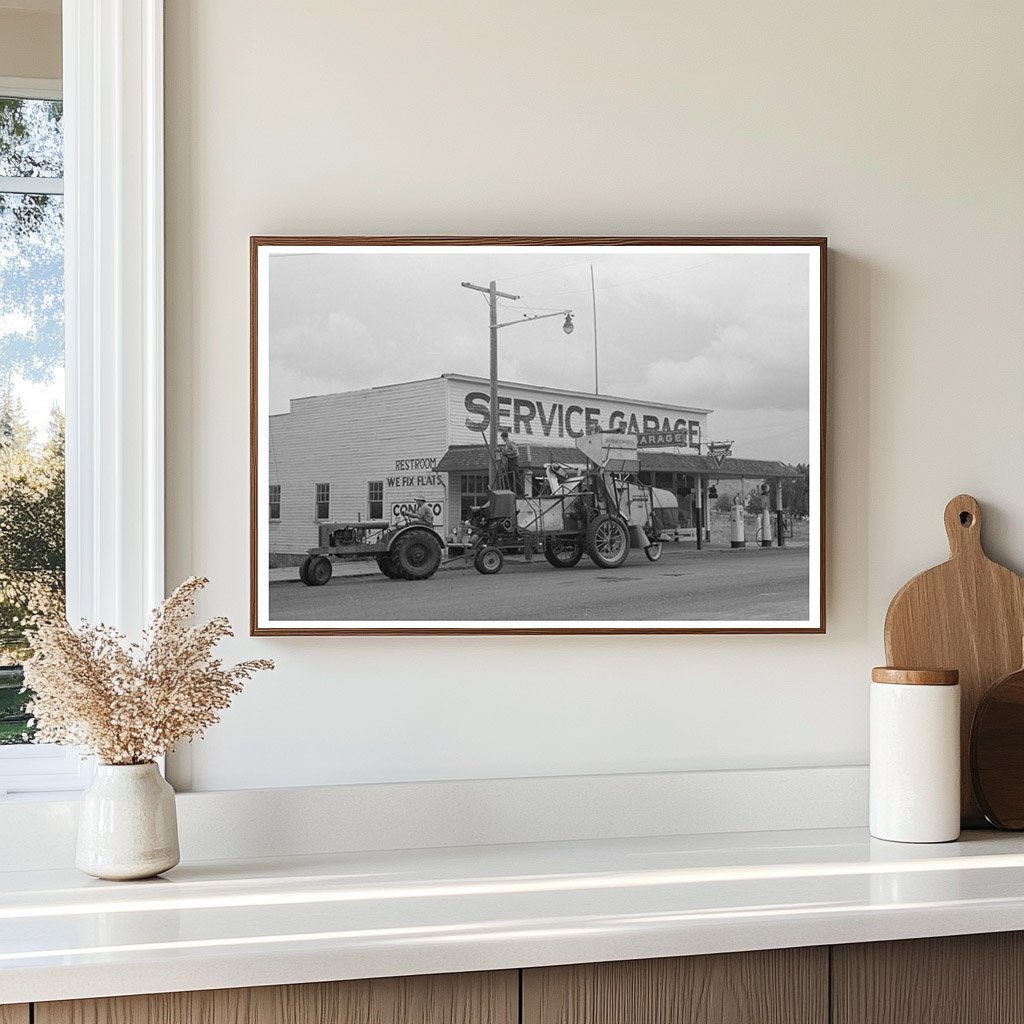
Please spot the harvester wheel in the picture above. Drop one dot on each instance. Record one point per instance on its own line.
(304, 570)
(488, 561)
(387, 567)
(320, 571)
(608, 542)
(653, 550)
(416, 555)
(563, 552)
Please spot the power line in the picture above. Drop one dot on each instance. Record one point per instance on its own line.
(549, 270)
(641, 280)
(516, 306)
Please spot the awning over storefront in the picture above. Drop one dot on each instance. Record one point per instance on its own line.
(704, 465)
(472, 458)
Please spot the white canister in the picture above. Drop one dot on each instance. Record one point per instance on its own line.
(915, 755)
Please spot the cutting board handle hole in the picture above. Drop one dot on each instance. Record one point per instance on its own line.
(966, 519)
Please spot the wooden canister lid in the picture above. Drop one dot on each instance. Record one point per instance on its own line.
(916, 676)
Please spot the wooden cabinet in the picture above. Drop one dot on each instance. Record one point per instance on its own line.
(779, 986)
(491, 998)
(971, 979)
(963, 979)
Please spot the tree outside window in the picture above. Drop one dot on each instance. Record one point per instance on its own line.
(31, 385)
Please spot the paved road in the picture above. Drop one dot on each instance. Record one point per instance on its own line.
(685, 585)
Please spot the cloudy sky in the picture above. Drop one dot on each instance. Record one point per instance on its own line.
(724, 330)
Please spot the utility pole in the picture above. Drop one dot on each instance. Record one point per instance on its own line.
(491, 291)
(593, 301)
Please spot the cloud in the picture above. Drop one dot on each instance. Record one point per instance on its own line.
(720, 330)
(739, 368)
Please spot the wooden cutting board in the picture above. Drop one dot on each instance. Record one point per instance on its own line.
(967, 614)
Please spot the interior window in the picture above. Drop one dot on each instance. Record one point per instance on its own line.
(31, 385)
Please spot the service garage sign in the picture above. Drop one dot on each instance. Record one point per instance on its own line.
(559, 417)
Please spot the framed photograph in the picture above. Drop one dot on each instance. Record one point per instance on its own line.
(537, 435)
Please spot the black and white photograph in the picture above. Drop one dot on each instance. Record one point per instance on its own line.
(537, 435)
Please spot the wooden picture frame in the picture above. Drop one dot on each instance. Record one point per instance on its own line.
(691, 400)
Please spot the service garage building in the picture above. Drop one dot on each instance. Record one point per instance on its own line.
(367, 454)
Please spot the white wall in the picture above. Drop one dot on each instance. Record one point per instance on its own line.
(894, 129)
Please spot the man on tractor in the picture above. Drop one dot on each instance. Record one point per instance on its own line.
(509, 452)
(423, 512)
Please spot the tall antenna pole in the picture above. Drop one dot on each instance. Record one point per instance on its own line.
(593, 300)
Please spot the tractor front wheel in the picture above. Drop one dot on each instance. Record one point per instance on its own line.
(563, 552)
(488, 561)
(653, 550)
(608, 542)
(320, 571)
(416, 555)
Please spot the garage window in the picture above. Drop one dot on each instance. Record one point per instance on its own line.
(473, 491)
(323, 501)
(375, 499)
(275, 501)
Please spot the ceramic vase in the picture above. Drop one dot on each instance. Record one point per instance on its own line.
(127, 825)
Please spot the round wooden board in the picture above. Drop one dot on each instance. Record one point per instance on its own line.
(997, 752)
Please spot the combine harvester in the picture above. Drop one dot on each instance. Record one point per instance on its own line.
(600, 509)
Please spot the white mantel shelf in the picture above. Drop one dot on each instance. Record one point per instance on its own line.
(225, 924)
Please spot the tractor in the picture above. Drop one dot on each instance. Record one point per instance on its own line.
(409, 550)
(600, 509)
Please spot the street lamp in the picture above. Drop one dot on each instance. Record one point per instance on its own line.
(492, 293)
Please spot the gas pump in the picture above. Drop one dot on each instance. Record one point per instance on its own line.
(766, 516)
(737, 531)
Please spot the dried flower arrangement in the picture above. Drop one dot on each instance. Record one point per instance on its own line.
(128, 704)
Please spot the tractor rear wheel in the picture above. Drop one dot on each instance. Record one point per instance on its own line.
(608, 542)
(563, 552)
(304, 570)
(386, 566)
(416, 555)
(488, 561)
(320, 571)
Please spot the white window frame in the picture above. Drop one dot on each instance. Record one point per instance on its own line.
(37, 768)
(271, 503)
(114, 325)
